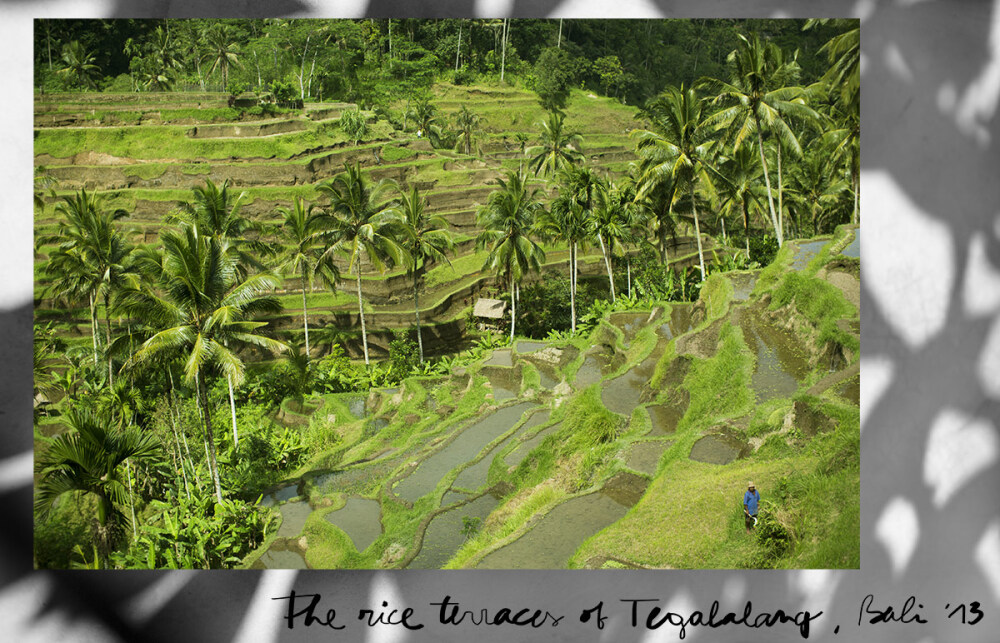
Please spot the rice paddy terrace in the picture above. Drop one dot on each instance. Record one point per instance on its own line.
(145, 152)
(627, 448)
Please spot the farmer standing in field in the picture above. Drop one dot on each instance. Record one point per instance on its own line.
(750, 500)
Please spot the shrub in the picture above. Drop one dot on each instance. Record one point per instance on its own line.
(353, 123)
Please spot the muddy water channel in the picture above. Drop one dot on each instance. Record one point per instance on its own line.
(444, 533)
(360, 519)
(551, 543)
(780, 364)
(460, 450)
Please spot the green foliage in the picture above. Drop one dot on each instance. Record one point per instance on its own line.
(470, 526)
(773, 537)
(821, 303)
(719, 386)
(592, 424)
(236, 88)
(763, 249)
(335, 373)
(553, 74)
(196, 533)
(403, 355)
(283, 91)
(354, 124)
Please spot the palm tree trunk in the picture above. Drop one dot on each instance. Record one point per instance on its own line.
(209, 437)
(416, 308)
(107, 331)
(305, 319)
(512, 312)
(361, 310)
(572, 286)
(628, 268)
(697, 234)
(503, 55)
(607, 264)
(232, 410)
(746, 226)
(661, 234)
(781, 212)
(93, 327)
(854, 184)
(131, 500)
(767, 180)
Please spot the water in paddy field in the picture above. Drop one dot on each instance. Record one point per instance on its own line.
(664, 418)
(805, 252)
(515, 457)
(621, 394)
(444, 534)
(281, 495)
(779, 363)
(589, 373)
(742, 286)
(630, 323)
(282, 559)
(645, 456)
(356, 406)
(462, 449)
(555, 538)
(500, 358)
(475, 476)
(853, 249)
(501, 392)
(679, 323)
(529, 347)
(717, 449)
(293, 518)
(359, 518)
(546, 382)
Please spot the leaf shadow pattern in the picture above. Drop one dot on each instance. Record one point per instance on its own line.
(928, 333)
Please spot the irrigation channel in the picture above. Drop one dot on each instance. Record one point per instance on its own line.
(454, 470)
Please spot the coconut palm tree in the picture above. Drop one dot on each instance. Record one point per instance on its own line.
(818, 184)
(79, 64)
(467, 122)
(91, 259)
(216, 212)
(202, 309)
(88, 459)
(222, 51)
(658, 201)
(556, 149)
(567, 220)
(623, 221)
(360, 224)
(680, 148)
(738, 182)
(756, 99)
(426, 238)
(507, 219)
(301, 253)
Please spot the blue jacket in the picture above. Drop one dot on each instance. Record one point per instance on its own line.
(750, 501)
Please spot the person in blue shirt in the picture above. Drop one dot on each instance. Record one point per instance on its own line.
(750, 501)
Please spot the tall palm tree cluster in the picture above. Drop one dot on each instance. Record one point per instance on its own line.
(193, 306)
(719, 146)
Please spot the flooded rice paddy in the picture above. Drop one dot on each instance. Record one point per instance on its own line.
(360, 520)
(460, 450)
(552, 541)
